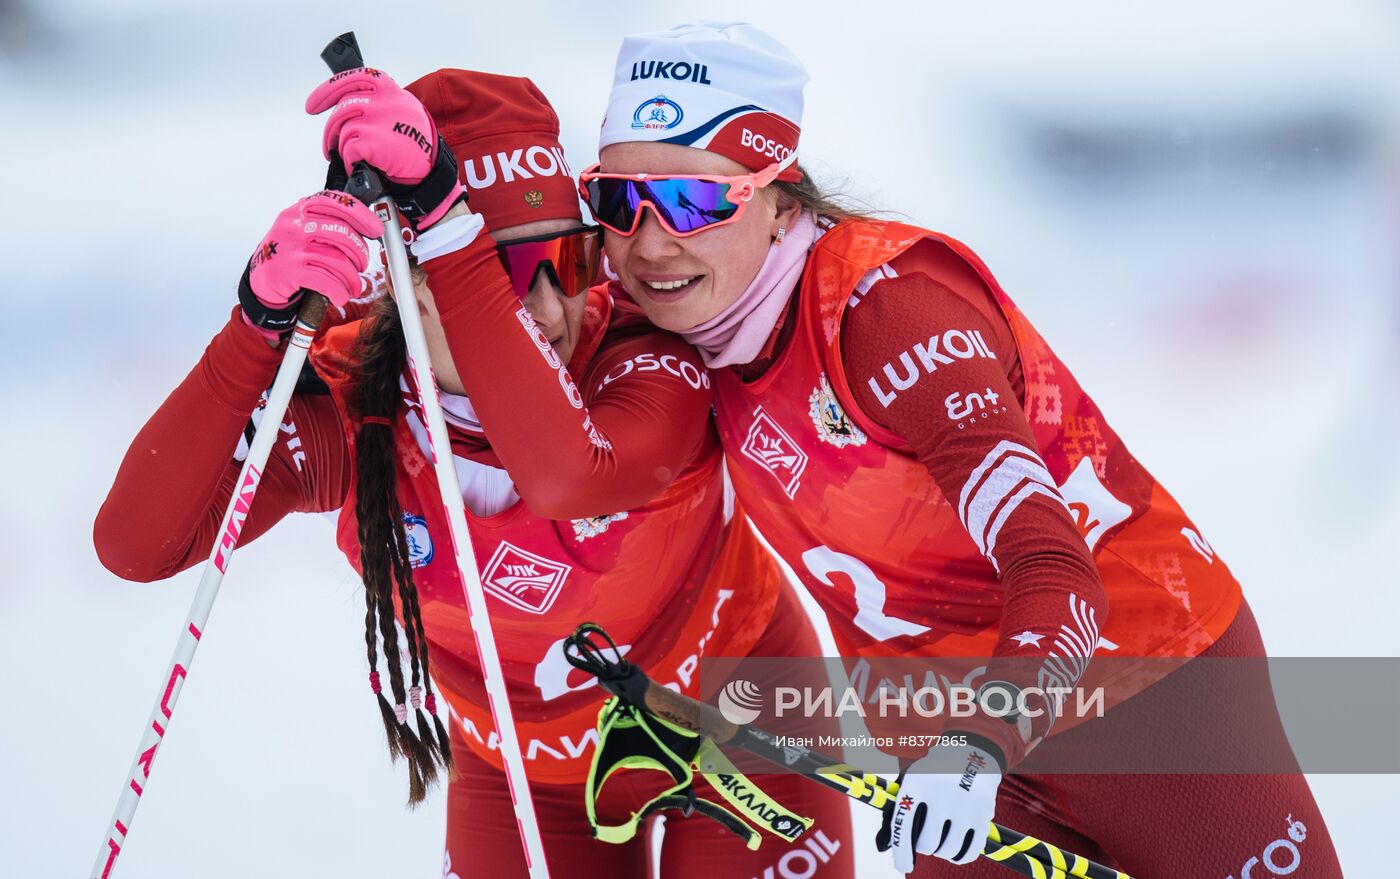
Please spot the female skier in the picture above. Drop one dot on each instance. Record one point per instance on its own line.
(581, 437)
(913, 448)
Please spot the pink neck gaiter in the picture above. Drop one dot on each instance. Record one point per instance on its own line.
(737, 334)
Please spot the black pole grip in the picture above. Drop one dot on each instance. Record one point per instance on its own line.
(343, 53)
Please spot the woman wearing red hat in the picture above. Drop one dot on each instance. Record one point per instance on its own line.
(911, 446)
(580, 436)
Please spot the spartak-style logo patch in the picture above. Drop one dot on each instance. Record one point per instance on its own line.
(833, 424)
(770, 447)
(594, 525)
(523, 579)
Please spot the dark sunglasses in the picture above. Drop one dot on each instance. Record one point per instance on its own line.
(569, 259)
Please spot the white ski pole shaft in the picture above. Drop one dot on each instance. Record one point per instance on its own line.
(343, 53)
(313, 307)
(441, 449)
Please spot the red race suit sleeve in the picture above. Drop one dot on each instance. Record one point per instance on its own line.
(641, 417)
(964, 422)
(164, 509)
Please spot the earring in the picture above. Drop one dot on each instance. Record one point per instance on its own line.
(779, 236)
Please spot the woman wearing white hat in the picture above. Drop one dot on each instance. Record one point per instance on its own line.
(912, 447)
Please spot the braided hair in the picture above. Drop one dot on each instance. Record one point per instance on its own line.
(384, 558)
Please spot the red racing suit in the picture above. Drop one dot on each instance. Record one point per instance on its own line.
(625, 461)
(945, 488)
(912, 447)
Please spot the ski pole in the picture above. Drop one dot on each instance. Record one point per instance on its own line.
(313, 308)
(343, 53)
(1024, 854)
(365, 186)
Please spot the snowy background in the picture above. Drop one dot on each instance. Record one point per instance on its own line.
(1198, 204)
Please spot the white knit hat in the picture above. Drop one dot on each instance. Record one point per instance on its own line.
(726, 87)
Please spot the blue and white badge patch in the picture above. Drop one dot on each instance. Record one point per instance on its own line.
(833, 424)
(594, 525)
(420, 542)
(657, 114)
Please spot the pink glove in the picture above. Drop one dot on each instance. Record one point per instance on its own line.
(374, 120)
(317, 244)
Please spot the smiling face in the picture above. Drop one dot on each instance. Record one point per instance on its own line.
(559, 317)
(681, 283)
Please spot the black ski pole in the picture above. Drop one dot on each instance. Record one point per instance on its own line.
(1024, 854)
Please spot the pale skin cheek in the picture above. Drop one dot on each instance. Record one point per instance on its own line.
(573, 324)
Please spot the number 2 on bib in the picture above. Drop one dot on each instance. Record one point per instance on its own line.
(823, 561)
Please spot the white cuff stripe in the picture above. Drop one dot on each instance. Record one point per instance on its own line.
(1003, 473)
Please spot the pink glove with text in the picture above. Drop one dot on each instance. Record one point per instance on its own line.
(316, 244)
(372, 119)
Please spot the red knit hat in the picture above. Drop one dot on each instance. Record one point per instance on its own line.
(505, 136)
